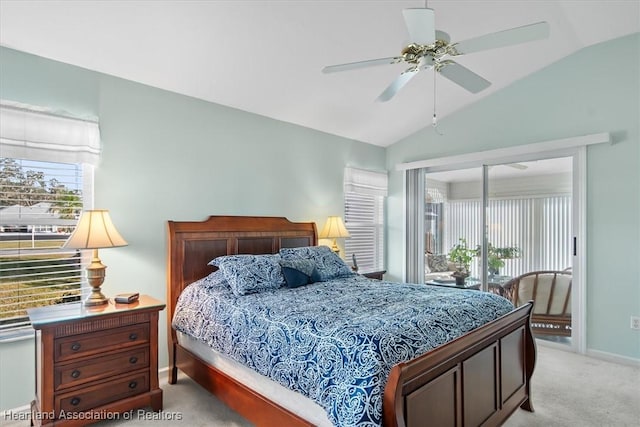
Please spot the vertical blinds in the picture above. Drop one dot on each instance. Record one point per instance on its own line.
(415, 225)
(364, 194)
(539, 226)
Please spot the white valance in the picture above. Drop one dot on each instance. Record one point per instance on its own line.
(27, 133)
(365, 182)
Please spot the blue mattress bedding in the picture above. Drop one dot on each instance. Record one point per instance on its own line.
(333, 341)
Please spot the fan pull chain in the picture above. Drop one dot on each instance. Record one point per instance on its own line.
(434, 121)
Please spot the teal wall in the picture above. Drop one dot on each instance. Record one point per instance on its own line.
(168, 156)
(594, 90)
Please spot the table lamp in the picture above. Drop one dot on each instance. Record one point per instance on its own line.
(94, 231)
(333, 229)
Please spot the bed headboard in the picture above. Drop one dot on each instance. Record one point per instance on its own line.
(192, 244)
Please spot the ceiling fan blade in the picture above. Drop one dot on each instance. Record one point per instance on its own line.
(420, 23)
(441, 35)
(464, 77)
(517, 166)
(527, 33)
(361, 64)
(398, 84)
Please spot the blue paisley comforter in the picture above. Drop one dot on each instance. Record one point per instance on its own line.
(335, 341)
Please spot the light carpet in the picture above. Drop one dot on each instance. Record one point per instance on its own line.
(567, 390)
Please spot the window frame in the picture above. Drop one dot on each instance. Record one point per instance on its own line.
(365, 217)
(41, 134)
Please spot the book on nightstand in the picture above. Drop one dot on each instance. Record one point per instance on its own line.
(127, 298)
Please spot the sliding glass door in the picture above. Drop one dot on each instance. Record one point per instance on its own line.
(514, 219)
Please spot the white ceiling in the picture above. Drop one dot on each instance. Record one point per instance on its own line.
(265, 57)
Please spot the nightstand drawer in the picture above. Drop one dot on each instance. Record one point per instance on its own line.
(101, 394)
(80, 372)
(99, 342)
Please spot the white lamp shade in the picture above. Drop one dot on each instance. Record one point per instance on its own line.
(95, 230)
(333, 228)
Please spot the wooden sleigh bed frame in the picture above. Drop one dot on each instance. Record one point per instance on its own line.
(480, 378)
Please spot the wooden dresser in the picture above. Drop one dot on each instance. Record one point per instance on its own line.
(93, 363)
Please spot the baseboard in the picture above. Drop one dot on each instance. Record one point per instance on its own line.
(596, 354)
(615, 358)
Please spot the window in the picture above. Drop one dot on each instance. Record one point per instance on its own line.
(436, 196)
(364, 195)
(39, 206)
(46, 177)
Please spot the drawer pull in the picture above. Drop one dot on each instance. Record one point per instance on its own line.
(133, 336)
(75, 346)
(133, 360)
(75, 373)
(75, 401)
(133, 384)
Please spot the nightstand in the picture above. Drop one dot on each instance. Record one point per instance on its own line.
(95, 362)
(375, 274)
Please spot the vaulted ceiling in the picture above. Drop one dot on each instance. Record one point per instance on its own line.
(266, 57)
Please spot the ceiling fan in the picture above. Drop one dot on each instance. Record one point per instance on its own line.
(431, 48)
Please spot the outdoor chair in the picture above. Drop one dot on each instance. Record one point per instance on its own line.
(551, 293)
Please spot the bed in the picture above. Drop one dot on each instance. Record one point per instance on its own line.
(478, 378)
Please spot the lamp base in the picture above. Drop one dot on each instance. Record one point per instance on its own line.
(95, 298)
(335, 247)
(95, 277)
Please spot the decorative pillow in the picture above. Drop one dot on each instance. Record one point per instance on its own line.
(299, 272)
(328, 263)
(249, 274)
(438, 263)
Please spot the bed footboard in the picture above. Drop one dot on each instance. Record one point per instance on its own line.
(477, 379)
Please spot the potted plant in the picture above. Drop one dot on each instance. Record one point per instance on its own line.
(496, 256)
(461, 255)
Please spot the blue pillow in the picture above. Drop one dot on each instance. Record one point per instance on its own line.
(299, 272)
(249, 274)
(328, 264)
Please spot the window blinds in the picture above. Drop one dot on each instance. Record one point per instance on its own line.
(36, 217)
(364, 194)
(363, 181)
(46, 177)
